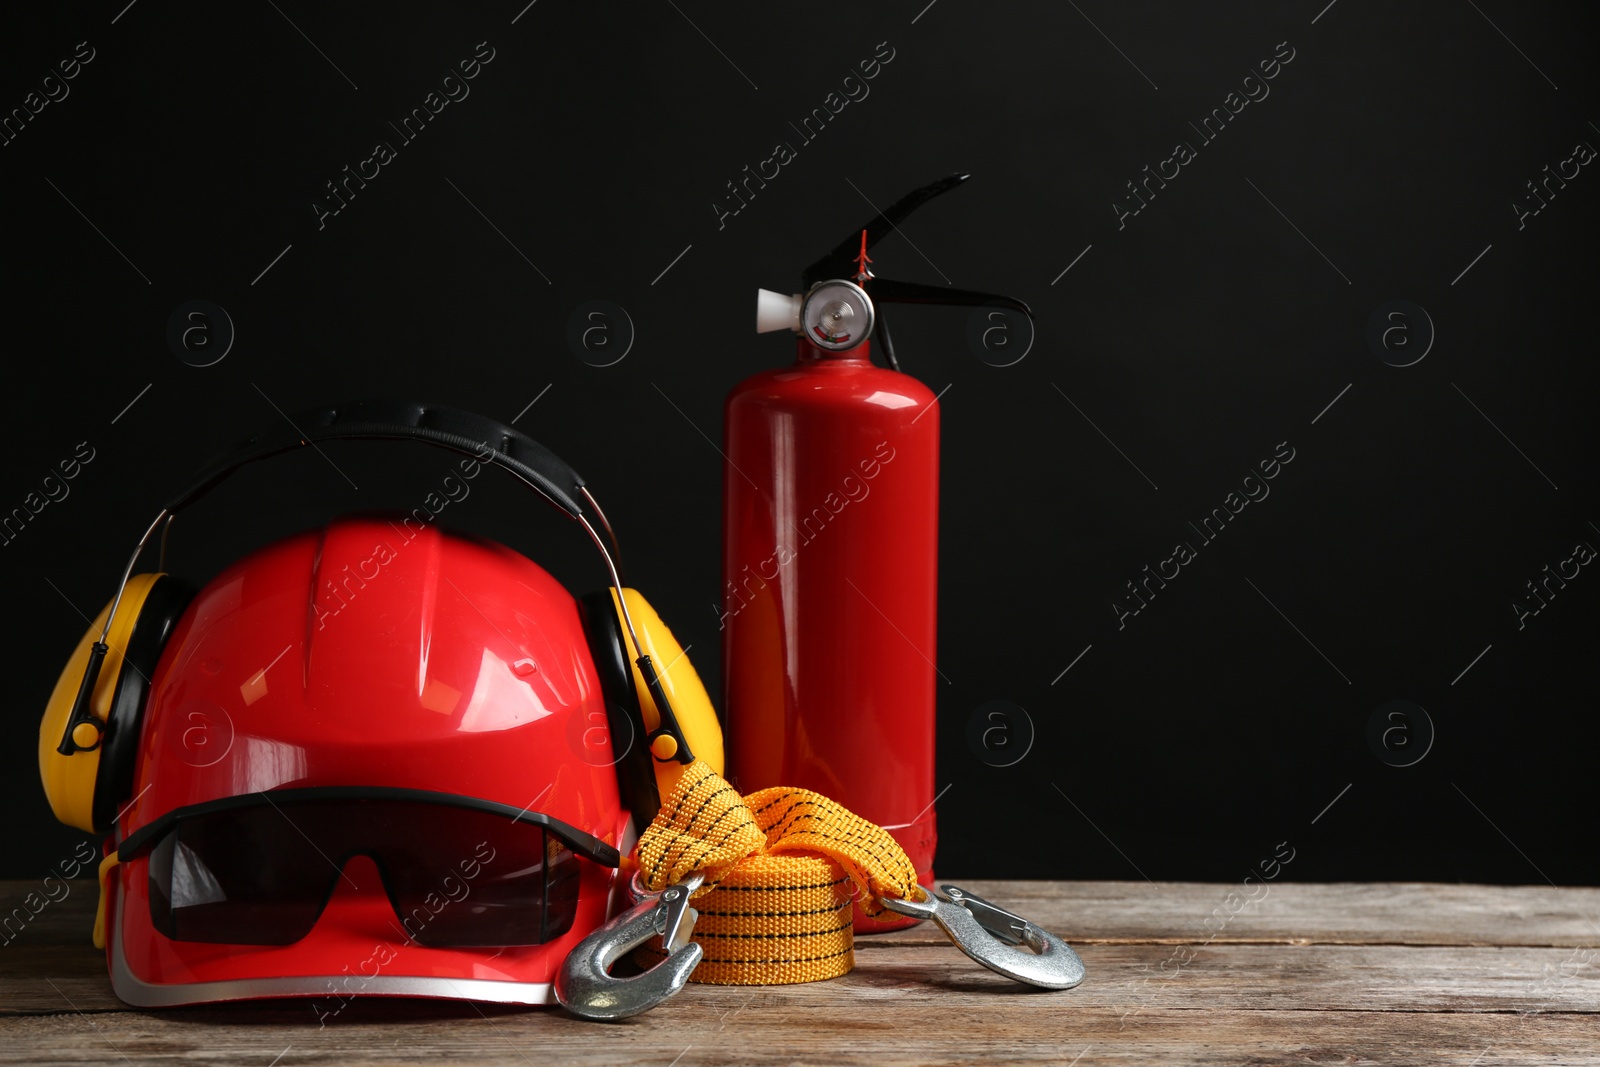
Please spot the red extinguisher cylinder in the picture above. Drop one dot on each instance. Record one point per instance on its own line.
(830, 572)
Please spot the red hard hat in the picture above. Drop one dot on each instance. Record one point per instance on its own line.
(377, 758)
(374, 655)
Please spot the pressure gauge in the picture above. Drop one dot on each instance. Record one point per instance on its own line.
(836, 315)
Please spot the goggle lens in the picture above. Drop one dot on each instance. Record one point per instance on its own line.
(261, 874)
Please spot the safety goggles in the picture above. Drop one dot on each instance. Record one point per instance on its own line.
(258, 869)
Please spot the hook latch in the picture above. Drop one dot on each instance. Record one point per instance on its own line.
(990, 935)
(585, 986)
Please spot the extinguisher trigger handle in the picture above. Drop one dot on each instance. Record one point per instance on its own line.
(667, 743)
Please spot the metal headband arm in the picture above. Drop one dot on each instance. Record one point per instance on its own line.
(459, 431)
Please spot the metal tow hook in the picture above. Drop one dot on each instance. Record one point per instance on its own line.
(585, 986)
(989, 934)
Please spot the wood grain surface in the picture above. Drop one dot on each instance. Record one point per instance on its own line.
(1343, 973)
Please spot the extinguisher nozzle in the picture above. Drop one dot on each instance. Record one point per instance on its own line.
(776, 311)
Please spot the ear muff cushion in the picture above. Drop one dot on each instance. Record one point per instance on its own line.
(69, 781)
(690, 702)
(163, 606)
(635, 776)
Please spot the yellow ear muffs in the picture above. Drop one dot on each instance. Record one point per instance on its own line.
(690, 702)
(85, 787)
(69, 781)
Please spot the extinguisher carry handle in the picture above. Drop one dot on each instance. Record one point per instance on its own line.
(841, 261)
(848, 259)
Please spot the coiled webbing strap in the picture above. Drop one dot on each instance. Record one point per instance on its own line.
(781, 868)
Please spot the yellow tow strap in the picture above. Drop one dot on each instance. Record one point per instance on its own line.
(779, 868)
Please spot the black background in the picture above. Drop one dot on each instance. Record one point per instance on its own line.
(1208, 329)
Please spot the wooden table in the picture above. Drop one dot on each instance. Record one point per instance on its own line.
(1351, 973)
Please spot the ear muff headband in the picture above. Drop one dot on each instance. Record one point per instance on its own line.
(482, 438)
(460, 431)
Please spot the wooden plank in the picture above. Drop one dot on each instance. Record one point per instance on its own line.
(67, 921)
(1311, 973)
(1408, 913)
(709, 1028)
(1405, 913)
(1122, 977)
(78, 975)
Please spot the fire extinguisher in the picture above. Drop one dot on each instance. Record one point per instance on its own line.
(830, 550)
